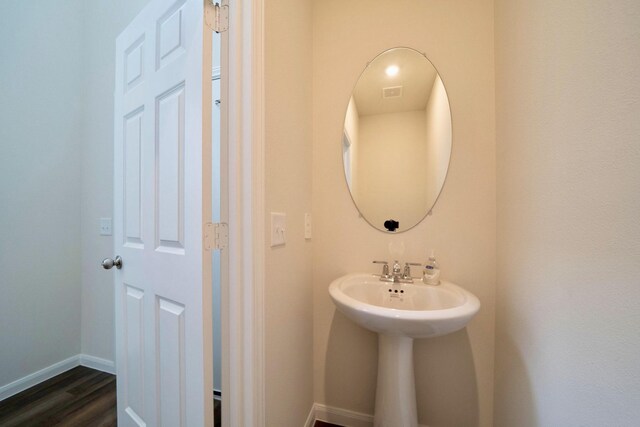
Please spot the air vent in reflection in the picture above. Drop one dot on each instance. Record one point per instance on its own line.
(392, 92)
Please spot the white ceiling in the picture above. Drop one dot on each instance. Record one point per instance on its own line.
(416, 76)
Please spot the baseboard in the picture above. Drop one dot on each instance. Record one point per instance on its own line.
(339, 416)
(37, 377)
(98, 363)
(51, 371)
(311, 418)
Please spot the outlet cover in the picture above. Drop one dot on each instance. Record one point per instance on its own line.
(105, 227)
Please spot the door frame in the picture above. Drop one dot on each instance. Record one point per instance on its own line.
(243, 380)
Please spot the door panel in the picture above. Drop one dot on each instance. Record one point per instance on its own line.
(133, 311)
(170, 356)
(162, 199)
(132, 159)
(170, 171)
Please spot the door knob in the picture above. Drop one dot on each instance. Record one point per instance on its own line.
(109, 263)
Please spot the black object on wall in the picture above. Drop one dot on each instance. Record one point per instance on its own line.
(391, 224)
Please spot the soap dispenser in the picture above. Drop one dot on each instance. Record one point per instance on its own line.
(431, 272)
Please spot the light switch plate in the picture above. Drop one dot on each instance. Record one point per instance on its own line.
(105, 227)
(278, 229)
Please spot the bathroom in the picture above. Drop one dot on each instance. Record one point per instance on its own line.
(537, 216)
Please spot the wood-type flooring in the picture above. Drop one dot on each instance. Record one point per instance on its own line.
(81, 397)
(319, 423)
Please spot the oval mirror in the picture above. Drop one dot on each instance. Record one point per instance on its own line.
(396, 142)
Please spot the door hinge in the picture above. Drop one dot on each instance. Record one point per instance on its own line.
(216, 236)
(217, 16)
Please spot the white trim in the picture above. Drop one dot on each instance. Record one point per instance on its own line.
(342, 416)
(215, 72)
(227, 327)
(311, 418)
(339, 416)
(258, 209)
(97, 363)
(37, 377)
(57, 368)
(243, 342)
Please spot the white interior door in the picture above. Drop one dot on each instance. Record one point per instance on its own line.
(162, 202)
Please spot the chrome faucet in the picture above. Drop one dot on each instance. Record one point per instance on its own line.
(385, 276)
(396, 270)
(406, 275)
(398, 275)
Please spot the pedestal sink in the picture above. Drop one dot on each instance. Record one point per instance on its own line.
(400, 312)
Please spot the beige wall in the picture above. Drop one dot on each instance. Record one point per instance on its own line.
(351, 126)
(392, 170)
(568, 110)
(288, 293)
(438, 127)
(455, 372)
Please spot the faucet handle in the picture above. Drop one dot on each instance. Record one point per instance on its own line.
(385, 267)
(407, 269)
(396, 268)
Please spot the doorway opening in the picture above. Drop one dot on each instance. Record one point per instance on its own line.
(216, 217)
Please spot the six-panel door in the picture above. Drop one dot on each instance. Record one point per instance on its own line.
(162, 200)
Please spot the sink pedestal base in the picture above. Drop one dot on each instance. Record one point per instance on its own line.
(396, 390)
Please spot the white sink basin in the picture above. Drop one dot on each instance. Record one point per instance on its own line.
(412, 310)
(399, 313)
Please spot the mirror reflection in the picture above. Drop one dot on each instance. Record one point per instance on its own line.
(396, 142)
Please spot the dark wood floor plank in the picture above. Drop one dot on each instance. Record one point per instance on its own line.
(90, 383)
(217, 413)
(45, 398)
(107, 418)
(81, 405)
(44, 389)
(89, 410)
(79, 397)
(26, 416)
(319, 423)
